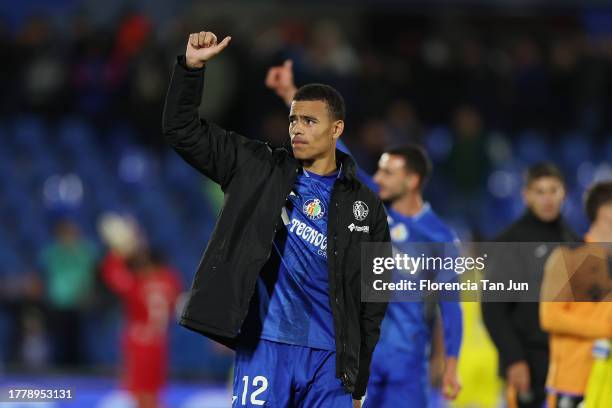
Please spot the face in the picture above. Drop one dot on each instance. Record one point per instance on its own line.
(393, 179)
(544, 197)
(140, 262)
(313, 132)
(467, 123)
(604, 217)
(67, 232)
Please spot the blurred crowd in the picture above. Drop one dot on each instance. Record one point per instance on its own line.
(486, 94)
(498, 87)
(414, 71)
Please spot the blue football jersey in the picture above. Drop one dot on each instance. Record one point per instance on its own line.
(293, 302)
(406, 325)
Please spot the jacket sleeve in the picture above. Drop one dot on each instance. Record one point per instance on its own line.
(362, 175)
(213, 151)
(498, 316)
(371, 314)
(499, 324)
(558, 318)
(452, 321)
(450, 310)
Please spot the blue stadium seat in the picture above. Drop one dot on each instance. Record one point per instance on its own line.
(15, 197)
(11, 262)
(531, 147)
(102, 336)
(121, 135)
(206, 359)
(606, 152)
(572, 151)
(30, 133)
(439, 143)
(6, 332)
(76, 133)
(46, 165)
(177, 173)
(573, 211)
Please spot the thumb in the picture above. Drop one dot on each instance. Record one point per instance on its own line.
(270, 76)
(221, 46)
(288, 64)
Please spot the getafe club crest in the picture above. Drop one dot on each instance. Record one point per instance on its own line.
(314, 209)
(360, 210)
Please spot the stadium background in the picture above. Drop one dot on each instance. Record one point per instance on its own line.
(488, 87)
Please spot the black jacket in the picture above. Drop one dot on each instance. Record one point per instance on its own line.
(515, 327)
(256, 181)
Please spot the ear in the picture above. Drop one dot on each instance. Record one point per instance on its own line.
(337, 129)
(413, 181)
(563, 191)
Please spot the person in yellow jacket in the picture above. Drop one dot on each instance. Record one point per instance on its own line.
(576, 307)
(599, 390)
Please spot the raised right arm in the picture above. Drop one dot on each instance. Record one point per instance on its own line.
(213, 151)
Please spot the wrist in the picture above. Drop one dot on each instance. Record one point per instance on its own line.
(194, 63)
(291, 91)
(288, 95)
(513, 364)
(451, 362)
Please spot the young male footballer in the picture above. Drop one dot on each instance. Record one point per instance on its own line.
(400, 366)
(280, 277)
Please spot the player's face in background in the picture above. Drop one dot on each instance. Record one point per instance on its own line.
(141, 263)
(67, 232)
(393, 178)
(544, 197)
(312, 130)
(604, 216)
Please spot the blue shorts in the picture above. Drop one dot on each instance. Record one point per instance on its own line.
(397, 379)
(282, 375)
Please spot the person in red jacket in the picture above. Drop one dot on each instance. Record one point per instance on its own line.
(148, 290)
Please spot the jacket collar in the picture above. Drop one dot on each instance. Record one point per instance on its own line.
(530, 218)
(343, 160)
(348, 166)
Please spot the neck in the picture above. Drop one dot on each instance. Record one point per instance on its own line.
(409, 204)
(321, 166)
(599, 232)
(533, 215)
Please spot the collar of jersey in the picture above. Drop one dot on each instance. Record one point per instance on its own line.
(424, 210)
(308, 174)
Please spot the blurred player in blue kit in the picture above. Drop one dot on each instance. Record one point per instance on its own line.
(413, 333)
